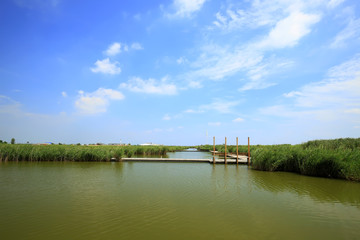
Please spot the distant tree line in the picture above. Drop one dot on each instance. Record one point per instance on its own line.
(5, 142)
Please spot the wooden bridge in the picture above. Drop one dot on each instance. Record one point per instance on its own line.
(238, 158)
(230, 159)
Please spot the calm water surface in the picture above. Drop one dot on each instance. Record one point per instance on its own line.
(172, 201)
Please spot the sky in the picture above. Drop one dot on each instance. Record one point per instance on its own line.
(179, 72)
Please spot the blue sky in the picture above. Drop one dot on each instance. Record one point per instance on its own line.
(179, 72)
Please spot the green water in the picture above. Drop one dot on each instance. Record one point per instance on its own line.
(50, 200)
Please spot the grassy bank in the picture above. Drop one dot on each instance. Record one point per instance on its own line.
(339, 158)
(26, 152)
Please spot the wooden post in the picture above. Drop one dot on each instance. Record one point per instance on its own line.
(237, 151)
(248, 150)
(214, 151)
(225, 151)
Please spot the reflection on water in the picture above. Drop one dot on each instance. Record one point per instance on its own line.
(319, 189)
(190, 153)
(134, 200)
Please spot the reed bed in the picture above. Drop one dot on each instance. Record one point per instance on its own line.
(338, 158)
(27, 152)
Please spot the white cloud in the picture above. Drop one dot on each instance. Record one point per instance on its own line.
(238, 120)
(106, 67)
(193, 111)
(216, 63)
(330, 98)
(255, 85)
(113, 49)
(150, 86)
(328, 109)
(263, 13)
(288, 22)
(136, 46)
(257, 74)
(64, 94)
(292, 94)
(97, 101)
(351, 31)
(288, 31)
(256, 17)
(341, 88)
(185, 8)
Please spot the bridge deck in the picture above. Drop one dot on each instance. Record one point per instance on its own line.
(242, 160)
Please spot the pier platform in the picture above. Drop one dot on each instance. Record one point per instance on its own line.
(242, 160)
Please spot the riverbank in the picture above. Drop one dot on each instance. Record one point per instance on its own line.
(338, 158)
(78, 153)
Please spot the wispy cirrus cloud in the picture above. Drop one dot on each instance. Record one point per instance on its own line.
(185, 8)
(341, 88)
(220, 106)
(288, 31)
(350, 32)
(266, 13)
(96, 102)
(334, 3)
(219, 63)
(150, 86)
(287, 23)
(7, 104)
(216, 62)
(105, 66)
(337, 94)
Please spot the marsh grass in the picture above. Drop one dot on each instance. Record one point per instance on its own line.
(26, 152)
(338, 158)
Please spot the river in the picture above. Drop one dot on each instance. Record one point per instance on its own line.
(137, 200)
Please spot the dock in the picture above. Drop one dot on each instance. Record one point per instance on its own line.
(231, 158)
(242, 160)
